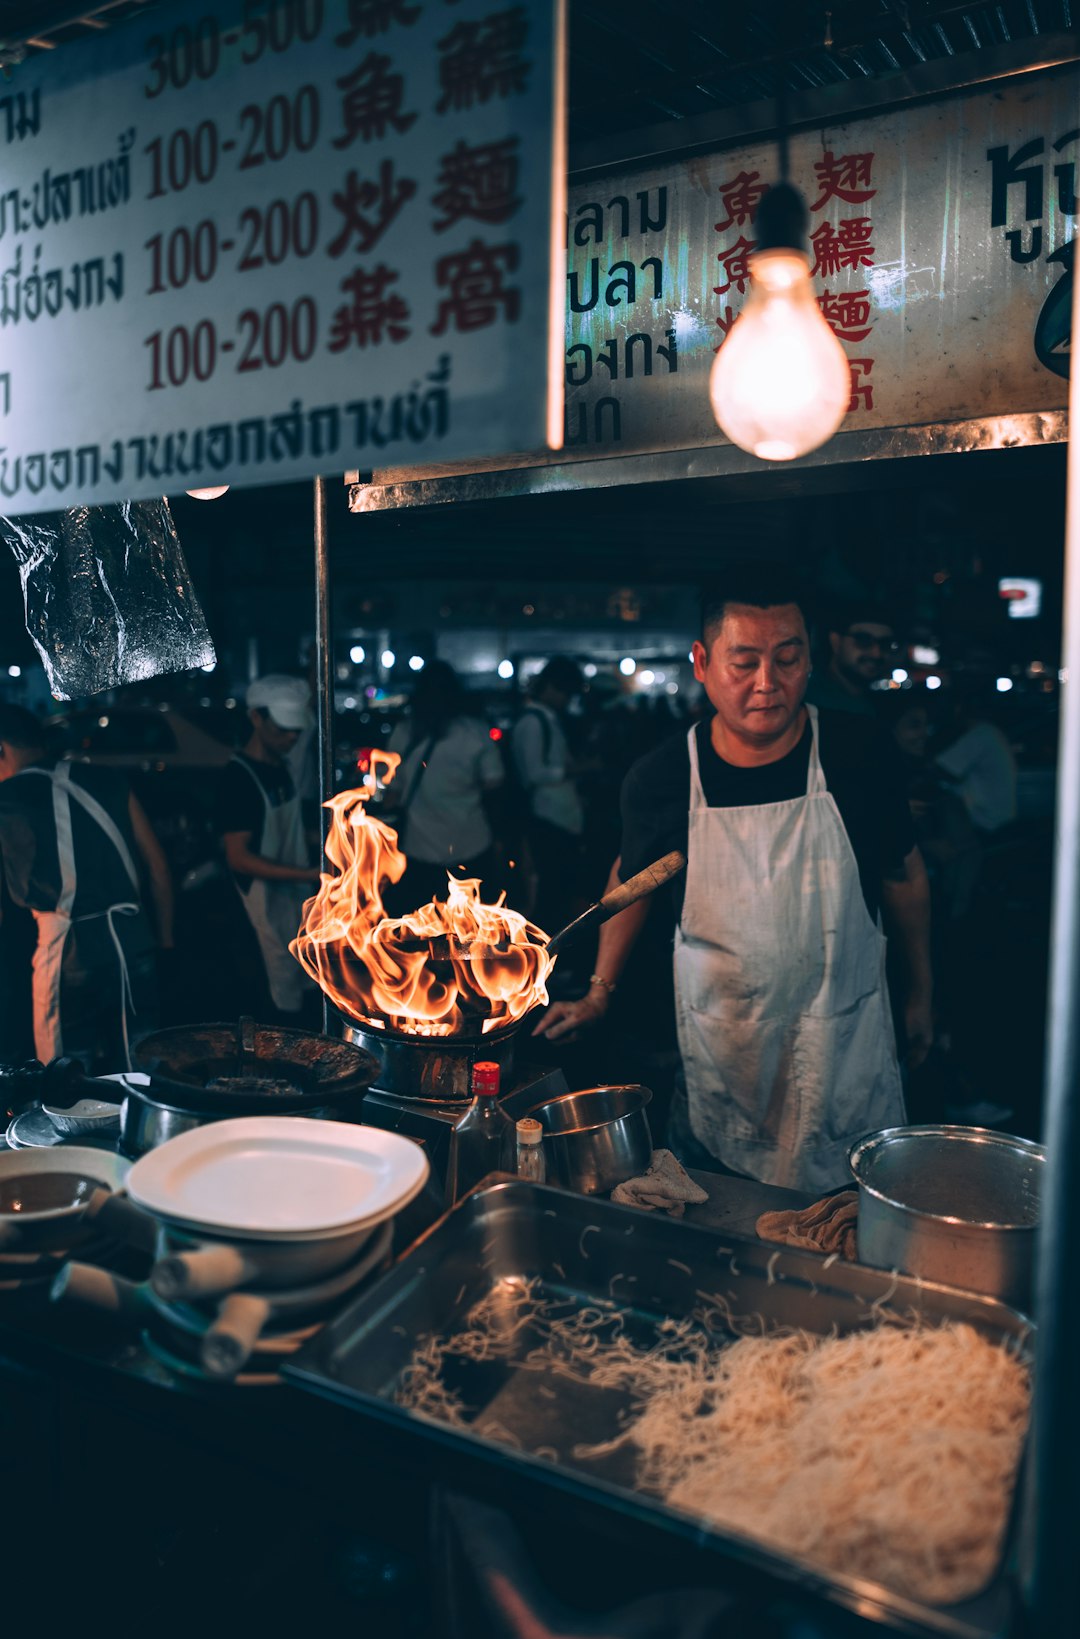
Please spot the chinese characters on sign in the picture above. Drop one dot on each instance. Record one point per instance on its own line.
(847, 245)
(936, 236)
(248, 240)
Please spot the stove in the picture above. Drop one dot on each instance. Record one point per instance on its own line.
(430, 1123)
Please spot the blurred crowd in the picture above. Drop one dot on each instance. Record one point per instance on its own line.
(531, 809)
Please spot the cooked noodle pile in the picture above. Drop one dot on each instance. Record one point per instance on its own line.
(888, 1454)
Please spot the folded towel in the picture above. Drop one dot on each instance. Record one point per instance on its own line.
(827, 1226)
(666, 1184)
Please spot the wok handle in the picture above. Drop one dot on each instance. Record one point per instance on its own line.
(642, 884)
(118, 1215)
(100, 1289)
(639, 886)
(204, 1274)
(227, 1344)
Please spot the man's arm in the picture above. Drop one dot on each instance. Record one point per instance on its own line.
(906, 904)
(157, 868)
(243, 862)
(617, 939)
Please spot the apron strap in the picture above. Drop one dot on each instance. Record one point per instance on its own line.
(815, 774)
(63, 790)
(697, 794)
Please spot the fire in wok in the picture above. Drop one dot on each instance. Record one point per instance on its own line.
(453, 968)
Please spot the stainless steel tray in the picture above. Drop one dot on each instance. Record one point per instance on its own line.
(584, 1250)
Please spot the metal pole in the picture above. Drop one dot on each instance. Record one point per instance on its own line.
(324, 694)
(1050, 1560)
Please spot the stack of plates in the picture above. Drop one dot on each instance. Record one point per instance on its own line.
(302, 1200)
(279, 1179)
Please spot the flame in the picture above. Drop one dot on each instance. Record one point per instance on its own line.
(454, 968)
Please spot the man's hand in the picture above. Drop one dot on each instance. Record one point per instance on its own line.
(563, 1020)
(919, 1024)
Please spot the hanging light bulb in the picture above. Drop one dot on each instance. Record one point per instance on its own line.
(780, 384)
(210, 494)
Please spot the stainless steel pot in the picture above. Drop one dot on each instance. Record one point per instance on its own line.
(205, 1072)
(597, 1138)
(959, 1205)
(434, 1068)
(149, 1118)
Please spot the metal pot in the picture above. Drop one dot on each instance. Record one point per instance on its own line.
(598, 1137)
(959, 1205)
(434, 1068)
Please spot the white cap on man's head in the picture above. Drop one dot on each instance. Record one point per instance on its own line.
(287, 699)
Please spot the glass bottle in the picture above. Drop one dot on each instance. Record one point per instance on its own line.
(483, 1140)
(530, 1150)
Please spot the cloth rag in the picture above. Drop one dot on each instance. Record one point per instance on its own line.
(827, 1226)
(667, 1184)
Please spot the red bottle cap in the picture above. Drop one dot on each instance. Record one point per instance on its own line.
(485, 1080)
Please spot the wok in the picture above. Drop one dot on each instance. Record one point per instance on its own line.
(439, 1068)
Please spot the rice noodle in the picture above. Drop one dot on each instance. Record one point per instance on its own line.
(888, 1453)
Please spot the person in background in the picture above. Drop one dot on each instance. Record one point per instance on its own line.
(979, 764)
(73, 839)
(546, 773)
(797, 836)
(949, 845)
(266, 849)
(440, 796)
(861, 649)
(943, 827)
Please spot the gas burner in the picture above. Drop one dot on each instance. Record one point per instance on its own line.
(429, 1120)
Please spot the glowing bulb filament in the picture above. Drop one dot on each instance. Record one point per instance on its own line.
(781, 383)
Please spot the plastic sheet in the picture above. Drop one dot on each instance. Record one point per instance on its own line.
(109, 598)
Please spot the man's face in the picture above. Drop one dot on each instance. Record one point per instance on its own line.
(863, 653)
(755, 670)
(912, 732)
(277, 741)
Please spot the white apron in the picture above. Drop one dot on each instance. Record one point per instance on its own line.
(784, 1024)
(274, 908)
(53, 927)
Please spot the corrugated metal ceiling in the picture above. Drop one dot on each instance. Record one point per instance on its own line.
(633, 65)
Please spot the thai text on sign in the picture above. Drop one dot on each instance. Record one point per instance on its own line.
(248, 241)
(940, 246)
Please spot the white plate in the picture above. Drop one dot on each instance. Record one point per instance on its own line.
(279, 1177)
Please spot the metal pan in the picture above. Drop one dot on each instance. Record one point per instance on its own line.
(587, 1252)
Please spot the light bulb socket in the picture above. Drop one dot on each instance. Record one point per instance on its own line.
(782, 221)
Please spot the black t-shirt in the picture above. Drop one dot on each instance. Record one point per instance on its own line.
(31, 859)
(860, 771)
(241, 808)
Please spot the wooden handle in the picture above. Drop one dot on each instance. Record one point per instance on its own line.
(644, 882)
(207, 1274)
(226, 1344)
(118, 1215)
(99, 1289)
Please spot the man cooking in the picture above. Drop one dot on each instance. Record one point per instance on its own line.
(266, 848)
(796, 836)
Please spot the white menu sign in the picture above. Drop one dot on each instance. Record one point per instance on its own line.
(245, 241)
(941, 252)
